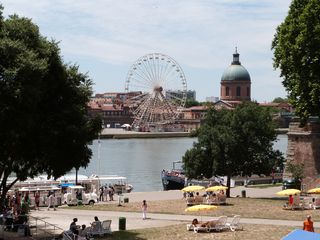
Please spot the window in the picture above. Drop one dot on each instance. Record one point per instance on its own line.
(238, 91)
(227, 91)
(248, 92)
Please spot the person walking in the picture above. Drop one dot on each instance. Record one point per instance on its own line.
(308, 224)
(51, 201)
(144, 207)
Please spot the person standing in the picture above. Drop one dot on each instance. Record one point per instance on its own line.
(144, 207)
(308, 224)
(37, 200)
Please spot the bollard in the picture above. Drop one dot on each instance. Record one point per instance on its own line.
(122, 223)
(243, 193)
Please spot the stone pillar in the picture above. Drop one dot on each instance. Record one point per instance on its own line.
(304, 147)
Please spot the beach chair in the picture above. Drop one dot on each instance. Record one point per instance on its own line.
(106, 227)
(307, 203)
(95, 229)
(234, 224)
(316, 203)
(190, 201)
(68, 235)
(218, 225)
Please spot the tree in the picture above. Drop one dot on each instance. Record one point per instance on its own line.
(192, 103)
(280, 100)
(44, 127)
(234, 142)
(297, 172)
(296, 46)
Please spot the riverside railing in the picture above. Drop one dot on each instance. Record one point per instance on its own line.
(44, 229)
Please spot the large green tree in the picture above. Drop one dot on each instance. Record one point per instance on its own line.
(234, 142)
(296, 46)
(44, 127)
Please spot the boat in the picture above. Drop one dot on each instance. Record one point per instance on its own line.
(173, 179)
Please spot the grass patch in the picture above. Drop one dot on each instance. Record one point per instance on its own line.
(249, 232)
(246, 207)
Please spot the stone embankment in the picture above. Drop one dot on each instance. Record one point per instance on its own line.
(117, 133)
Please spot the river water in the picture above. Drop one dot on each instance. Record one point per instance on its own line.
(141, 160)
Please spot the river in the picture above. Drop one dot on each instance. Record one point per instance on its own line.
(141, 160)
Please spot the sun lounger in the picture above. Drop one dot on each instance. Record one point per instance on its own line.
(212, 225)
(219, 225)
(234, 224)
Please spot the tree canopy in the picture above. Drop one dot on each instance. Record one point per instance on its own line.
(296, 46)
(234, 142)
(280, 100)
(44, 127)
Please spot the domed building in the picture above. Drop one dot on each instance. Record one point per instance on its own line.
(235, 82)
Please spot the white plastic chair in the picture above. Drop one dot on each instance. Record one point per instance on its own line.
(234, 224)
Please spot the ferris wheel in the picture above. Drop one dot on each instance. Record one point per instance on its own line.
(158, 88)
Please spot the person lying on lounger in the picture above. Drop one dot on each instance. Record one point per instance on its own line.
(196, 223)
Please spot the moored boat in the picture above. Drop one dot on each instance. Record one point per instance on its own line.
(173, 179)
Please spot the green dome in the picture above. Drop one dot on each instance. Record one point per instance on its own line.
(236, 72)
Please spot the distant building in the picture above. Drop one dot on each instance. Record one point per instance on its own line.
(112, 108)
(235, 82)
(190, 94)
(212, 99)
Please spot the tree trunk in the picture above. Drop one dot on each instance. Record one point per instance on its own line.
(228, 185)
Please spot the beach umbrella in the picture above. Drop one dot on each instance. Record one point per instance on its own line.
(288, 192)
(201, 207)
(216, 188)
(193, 188)
(314, 190)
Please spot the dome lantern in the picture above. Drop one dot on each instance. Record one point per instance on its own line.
(236, 58)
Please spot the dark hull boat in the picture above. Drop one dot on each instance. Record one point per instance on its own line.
(173, 179)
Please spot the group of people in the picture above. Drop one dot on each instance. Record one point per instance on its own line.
(13, 221)
(105, 192)
(17, 202)
(82, 231)
(216, 197)
(209, 197)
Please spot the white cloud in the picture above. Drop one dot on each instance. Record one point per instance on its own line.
(198, 34)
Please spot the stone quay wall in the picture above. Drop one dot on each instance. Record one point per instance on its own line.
(304, 148)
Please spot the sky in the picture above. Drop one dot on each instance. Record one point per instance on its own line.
(106, 37)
